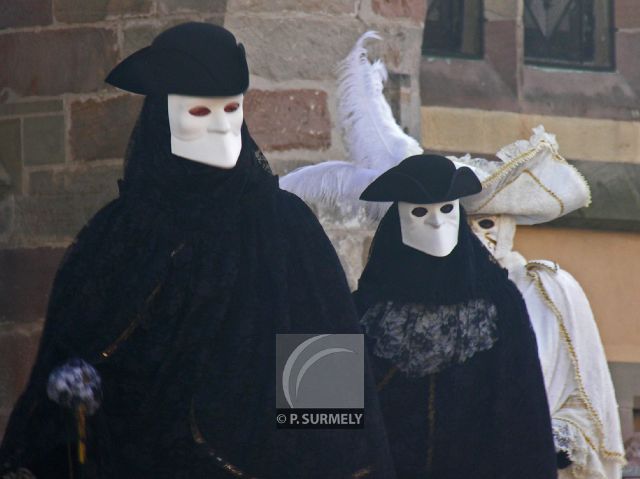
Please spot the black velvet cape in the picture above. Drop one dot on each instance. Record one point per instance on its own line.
(174, 292)
(486, 417)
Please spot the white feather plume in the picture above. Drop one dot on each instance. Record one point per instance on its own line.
(373, 139)
(335, 184)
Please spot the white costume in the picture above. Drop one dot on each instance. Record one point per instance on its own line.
(533, 184)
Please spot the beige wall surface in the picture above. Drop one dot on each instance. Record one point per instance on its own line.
(607, 265)
(485, 132)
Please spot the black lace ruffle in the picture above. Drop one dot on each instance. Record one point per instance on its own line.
(421, 339)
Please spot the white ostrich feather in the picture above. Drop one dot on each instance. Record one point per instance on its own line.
(373, 139)
(335, 184)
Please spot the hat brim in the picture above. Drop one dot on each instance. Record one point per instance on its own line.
(395, 185)
(161, 71)
(532, 184)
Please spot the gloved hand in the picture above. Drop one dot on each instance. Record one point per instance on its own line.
(563, 460)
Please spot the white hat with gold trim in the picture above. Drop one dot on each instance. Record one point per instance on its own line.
(531, 182)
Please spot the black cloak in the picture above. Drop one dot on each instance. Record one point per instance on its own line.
(174, 292)
(466, 398)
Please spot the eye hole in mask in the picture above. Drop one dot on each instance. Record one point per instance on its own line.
(199, 111)
(231, 107)
(420, 211)
(486, 224)
(448, 208)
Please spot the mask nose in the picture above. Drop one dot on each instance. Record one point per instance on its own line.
(435, 220)
(218, 123)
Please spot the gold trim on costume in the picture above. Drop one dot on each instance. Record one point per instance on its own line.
(587, 438)
(566, 338)
(515, 162)
(523, 158)
(109, 350)
(132, 326)
(364, 472)
(547, 190)
(561, 159)
(199, 439)
(490, 239)
(531, 265)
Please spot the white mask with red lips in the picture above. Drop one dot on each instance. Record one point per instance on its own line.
(431, 228)
(206, 129)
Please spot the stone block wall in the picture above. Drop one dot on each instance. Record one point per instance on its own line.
(293, 47)
(63, 131)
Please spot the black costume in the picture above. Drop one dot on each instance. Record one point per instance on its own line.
(174, 292)
(454, 353)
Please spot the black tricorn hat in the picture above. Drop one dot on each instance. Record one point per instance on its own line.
(423, 179)
(196, 59)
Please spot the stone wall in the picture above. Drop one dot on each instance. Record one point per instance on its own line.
(63, 131)
(293, 47)
(490, 102)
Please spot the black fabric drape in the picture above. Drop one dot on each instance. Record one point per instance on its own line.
(174, 292)
(486, 417)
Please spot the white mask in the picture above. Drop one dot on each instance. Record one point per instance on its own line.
(495, 231)
(430, 228)
(206, 129)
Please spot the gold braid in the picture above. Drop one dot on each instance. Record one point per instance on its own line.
(566, 338)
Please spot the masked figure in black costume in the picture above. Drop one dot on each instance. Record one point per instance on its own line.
(174, 293)
(455, 356)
